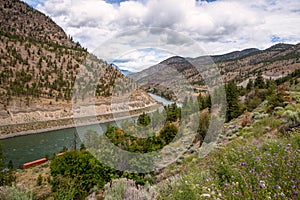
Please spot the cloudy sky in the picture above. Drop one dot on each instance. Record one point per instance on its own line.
(217, 26)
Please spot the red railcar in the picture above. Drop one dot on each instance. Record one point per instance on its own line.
(36, 162)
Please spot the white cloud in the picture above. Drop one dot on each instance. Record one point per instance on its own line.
(130, 13)
(220, 26)
(140, 59)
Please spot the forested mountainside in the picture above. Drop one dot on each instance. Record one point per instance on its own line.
(37, 58)
(274, 62)
(38, 68)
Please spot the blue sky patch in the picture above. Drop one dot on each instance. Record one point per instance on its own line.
(33, 3)
(276, 39)
(115, 1)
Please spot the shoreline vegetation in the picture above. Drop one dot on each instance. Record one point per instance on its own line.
(17, 130)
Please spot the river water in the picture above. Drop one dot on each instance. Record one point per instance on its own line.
(163, 100)
(27, 148)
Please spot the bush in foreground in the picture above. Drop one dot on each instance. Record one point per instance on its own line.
(78, 171)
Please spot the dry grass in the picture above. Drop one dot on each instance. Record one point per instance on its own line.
(27, 178)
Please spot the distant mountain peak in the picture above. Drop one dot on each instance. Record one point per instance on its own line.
(124, 71)
(280, 46)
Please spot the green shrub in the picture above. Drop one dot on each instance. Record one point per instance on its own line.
(276, 100)
(293, 116)
(66, 191)
(78, 170)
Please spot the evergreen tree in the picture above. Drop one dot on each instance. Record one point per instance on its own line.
(271, 86)
(173, 112)
(204, 121)
(259, 82)
(234, 108)
(250, 85)
(168, 132)
(144, 120)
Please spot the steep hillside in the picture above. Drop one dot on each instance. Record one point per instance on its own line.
(18, 18)
(38, 68)
(274, 62)
(168, 75)
(256, 157)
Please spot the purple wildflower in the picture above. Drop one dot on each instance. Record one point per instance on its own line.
(261, 184)
(295, 193)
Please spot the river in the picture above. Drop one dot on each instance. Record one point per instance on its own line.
(27, 148)
(163, 100)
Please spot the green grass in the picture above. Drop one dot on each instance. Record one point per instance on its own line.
(238, 171)
(260, 126)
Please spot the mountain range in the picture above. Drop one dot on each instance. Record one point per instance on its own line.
(274, 62)
(39, 64)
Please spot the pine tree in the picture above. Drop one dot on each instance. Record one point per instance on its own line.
(259, 82)
(144, 120)
(234, 108)
(249, 85)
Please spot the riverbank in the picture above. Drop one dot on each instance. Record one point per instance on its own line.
(16, 130)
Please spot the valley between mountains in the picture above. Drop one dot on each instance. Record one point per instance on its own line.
(230, 131)
(39, 64)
